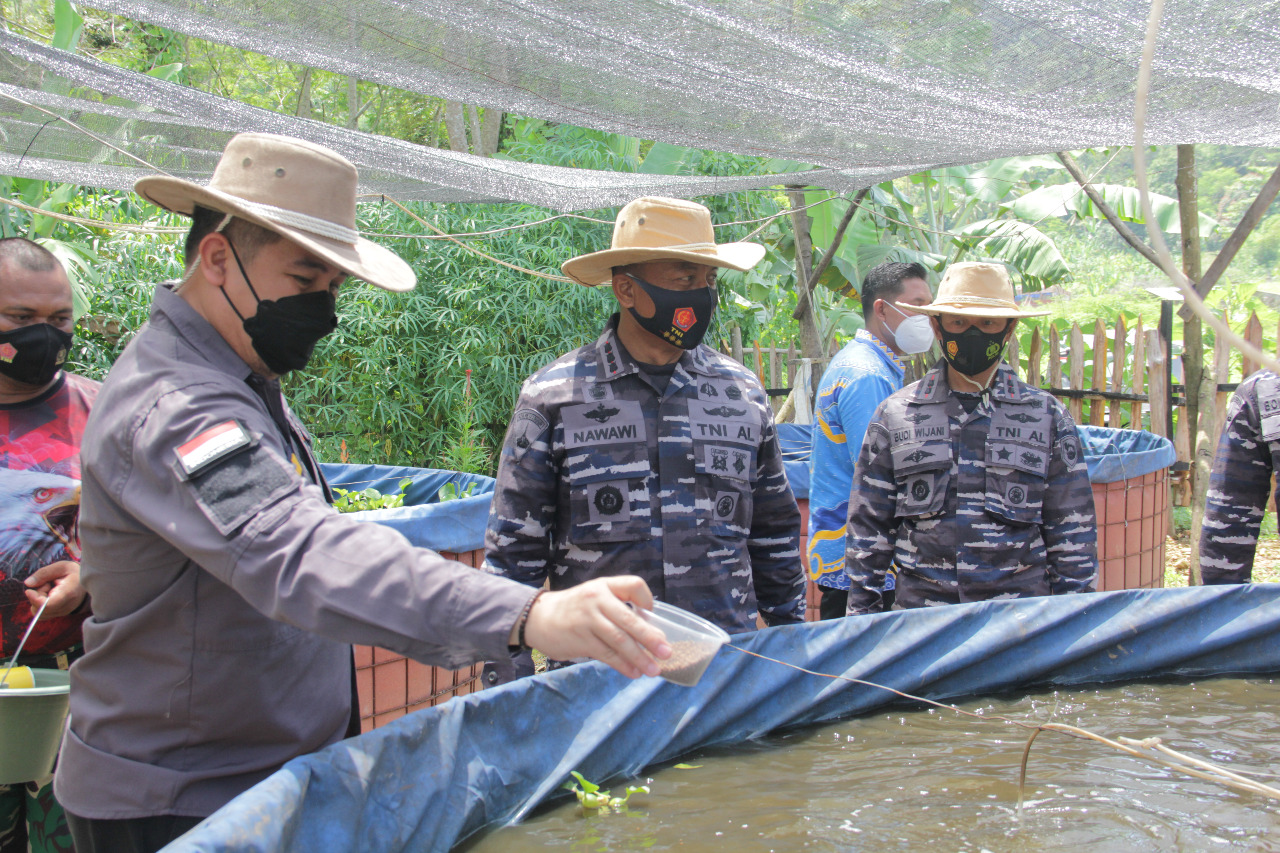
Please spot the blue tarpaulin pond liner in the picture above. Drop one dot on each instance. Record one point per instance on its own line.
(1111, 454)
(1123, 454)
(453, 525)
(433, 778)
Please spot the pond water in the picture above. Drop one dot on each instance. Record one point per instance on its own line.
(931, 779)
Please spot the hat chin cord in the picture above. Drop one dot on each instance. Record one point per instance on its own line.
(195, 265)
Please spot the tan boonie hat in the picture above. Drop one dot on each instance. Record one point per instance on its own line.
(974, 289)
(661, 229)
(300, 190)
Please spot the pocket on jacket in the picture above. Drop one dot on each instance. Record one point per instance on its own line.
(1016, 475)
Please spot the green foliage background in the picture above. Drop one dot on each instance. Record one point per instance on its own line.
(391, 385)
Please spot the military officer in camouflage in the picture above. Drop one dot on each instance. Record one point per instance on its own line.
(648, 453)
(1240, 483)
(972, 482)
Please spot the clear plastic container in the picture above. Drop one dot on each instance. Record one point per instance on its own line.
(694, 642)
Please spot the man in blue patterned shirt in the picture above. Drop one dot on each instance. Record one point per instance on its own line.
(861, 375)
(646, 452)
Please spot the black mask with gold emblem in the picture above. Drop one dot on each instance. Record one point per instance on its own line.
(33, 354)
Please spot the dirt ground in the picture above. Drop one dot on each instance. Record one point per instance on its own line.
(1177, 553)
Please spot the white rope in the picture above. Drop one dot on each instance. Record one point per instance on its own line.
(303, 222)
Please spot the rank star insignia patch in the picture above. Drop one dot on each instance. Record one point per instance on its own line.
(7, 352)
(684, 319)
(211, 445)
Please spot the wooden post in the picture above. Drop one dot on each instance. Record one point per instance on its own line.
(1252, 334)
(1221, 376)
(1117, 372)
(1158, 395)
(1076, 366)
(1055, 359)
(759, 362)
(1097, 413)
(735, 343)
(1011, 354)
(791, 364)
(1033, 359)
(1140, 382)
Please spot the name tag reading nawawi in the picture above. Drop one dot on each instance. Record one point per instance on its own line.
(606, 422)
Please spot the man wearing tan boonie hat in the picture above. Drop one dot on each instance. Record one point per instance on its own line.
(648, 452)
(971, 482)
(225, 587)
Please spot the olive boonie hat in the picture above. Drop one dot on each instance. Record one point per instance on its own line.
(300, 190)
(975, 289)
(661, 229)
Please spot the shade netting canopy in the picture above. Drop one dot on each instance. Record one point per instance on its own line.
(863, 91)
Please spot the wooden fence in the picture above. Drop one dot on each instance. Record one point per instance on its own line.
(1135, 379)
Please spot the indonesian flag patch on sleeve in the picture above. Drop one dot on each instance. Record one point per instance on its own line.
(212, 445)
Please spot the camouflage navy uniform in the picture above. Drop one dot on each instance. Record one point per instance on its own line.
(990, 504)
(602, 475)
(1248, 453)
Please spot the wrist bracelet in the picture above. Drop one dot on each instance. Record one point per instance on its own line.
(523, 620)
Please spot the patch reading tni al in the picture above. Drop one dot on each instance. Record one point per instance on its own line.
(527, 426)
(212, 445)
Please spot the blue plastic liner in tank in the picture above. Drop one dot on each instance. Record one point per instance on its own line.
(454, 525)
(1111, 454)
(428, 780)
(795, 441)
(1114, 455)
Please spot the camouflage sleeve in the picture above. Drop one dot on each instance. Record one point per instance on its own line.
(1070, 524)
(517, 540)
(774, 543)
(1236, 501)
(872, 523)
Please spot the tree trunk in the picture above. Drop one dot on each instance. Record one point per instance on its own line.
(303, 110)
(455, 124)
(490, 131)
(810, 341)
(473, 120)
(353, 102)
(1200, 383)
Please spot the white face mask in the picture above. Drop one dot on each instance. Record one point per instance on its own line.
(914, 334)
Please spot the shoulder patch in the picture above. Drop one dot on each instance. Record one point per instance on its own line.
(211, 446)
(527, 426)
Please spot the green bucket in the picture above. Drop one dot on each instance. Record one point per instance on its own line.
(31, 721)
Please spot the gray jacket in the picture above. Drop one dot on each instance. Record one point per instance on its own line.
(215, 564)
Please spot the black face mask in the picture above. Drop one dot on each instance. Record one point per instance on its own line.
(285, 331)
(680, 317)
(973, 350)
(33, 354)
